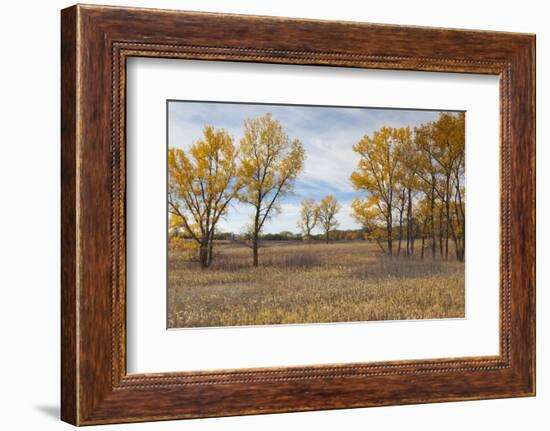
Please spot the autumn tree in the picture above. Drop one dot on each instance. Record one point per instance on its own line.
(326, 213)
(309, 216)
(367, 214)
(441, 168)
(404, 176)
(270, 163)
(408, 165)
(428, 173)
(423, 216)
(202, 181)
(457, 195)
(414, 179)
(448, 137)
(377, 174)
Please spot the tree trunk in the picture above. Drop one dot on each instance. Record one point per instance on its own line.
(433, 220)
(400, 239)
(422, 247)
(380, 245)
(326, 236)
(440, 232)
(389, 232)
(210, 251)
(210, 247)
(447, 221)
(203, 254)
(459, 239)
(463, 233)
(410, 245)
(255, 250)
(401, 209)
(255, 236)
(460, 219)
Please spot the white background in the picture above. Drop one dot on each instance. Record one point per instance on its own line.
(29, 220)
(151, 348)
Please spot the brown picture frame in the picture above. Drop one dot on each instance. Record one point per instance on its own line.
(95, 43)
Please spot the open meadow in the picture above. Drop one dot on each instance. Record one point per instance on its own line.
(299, 282)
(286, 214)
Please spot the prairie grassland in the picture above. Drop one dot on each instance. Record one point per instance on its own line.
(310, 283)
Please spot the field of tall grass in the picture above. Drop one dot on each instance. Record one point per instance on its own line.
(310, 283)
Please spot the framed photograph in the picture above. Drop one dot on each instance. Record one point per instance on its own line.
(265, 215)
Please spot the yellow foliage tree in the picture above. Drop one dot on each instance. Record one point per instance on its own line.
(177, 239)
(448, 133)
(367, 214)
(270, 162)
(377, 173)
(407, 169)
(396, 165)
(428, 173)
(309, 216)
(326, 213)
(202, 181)
(441, 168)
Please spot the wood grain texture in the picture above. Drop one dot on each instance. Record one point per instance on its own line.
(96, 41)
(69, 367)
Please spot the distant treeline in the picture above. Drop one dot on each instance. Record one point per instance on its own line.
(334, 235)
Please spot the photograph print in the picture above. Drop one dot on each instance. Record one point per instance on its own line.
(298, 214)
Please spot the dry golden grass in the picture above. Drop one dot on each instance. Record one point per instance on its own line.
(311, 283)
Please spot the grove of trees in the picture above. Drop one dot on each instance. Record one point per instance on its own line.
(205, 179)
(413, 180)
(309, 216)
(322, 215)
(410, 184)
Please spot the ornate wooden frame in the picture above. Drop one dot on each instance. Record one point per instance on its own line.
(95, 42)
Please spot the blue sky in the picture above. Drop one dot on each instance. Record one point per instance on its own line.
(327, 134)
